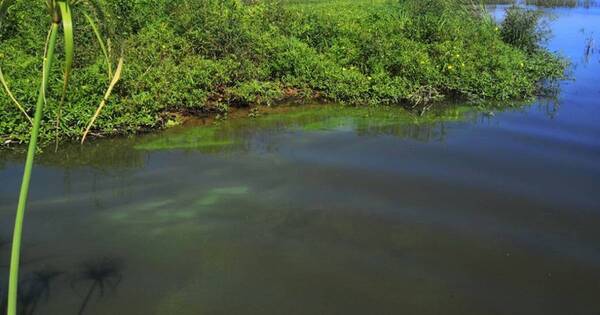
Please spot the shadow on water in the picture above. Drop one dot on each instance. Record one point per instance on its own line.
(36, 288)
(99, 275)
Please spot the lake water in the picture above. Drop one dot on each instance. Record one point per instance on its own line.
(336, 213)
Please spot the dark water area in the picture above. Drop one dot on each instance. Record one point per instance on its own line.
(332, 212)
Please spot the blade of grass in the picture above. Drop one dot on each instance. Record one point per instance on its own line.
(101, 43)
(114, 81)
(67, 24)
(13, 286)
(43, 68)
(12, 97)
(98, 12)
(4, 5)
(50, 7)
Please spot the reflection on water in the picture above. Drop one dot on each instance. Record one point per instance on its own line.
(327, 211)
(245, 135)
(37, 286)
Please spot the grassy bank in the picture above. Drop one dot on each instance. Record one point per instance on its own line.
(209, 55)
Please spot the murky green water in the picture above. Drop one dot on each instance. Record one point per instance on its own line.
(328, 211)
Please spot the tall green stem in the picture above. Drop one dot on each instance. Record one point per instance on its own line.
(13, 286)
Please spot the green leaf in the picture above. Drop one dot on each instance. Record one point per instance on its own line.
(67, 22)
(101, 43)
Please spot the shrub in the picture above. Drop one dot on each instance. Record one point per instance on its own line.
(523, 29)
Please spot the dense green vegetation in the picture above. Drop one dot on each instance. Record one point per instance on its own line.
(523, 29)
(208, 55)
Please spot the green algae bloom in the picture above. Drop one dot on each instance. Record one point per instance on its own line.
(236, 132)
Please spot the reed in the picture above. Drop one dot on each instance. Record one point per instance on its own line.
(18, 229)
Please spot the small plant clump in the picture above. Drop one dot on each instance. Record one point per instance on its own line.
(209, 55)
(523, 29)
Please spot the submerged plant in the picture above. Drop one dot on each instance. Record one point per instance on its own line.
(61, 16)
(590, 48)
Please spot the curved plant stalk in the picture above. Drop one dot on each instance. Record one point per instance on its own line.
(12, 97)
(13, 286)
(45, 53)
(67, 24)
(4, 5)
(114, 81)
(101, 43)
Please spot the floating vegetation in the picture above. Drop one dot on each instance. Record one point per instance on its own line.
(162, 215)
(215, 195)
(590, 48)
(238, 133)
(205, 139)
